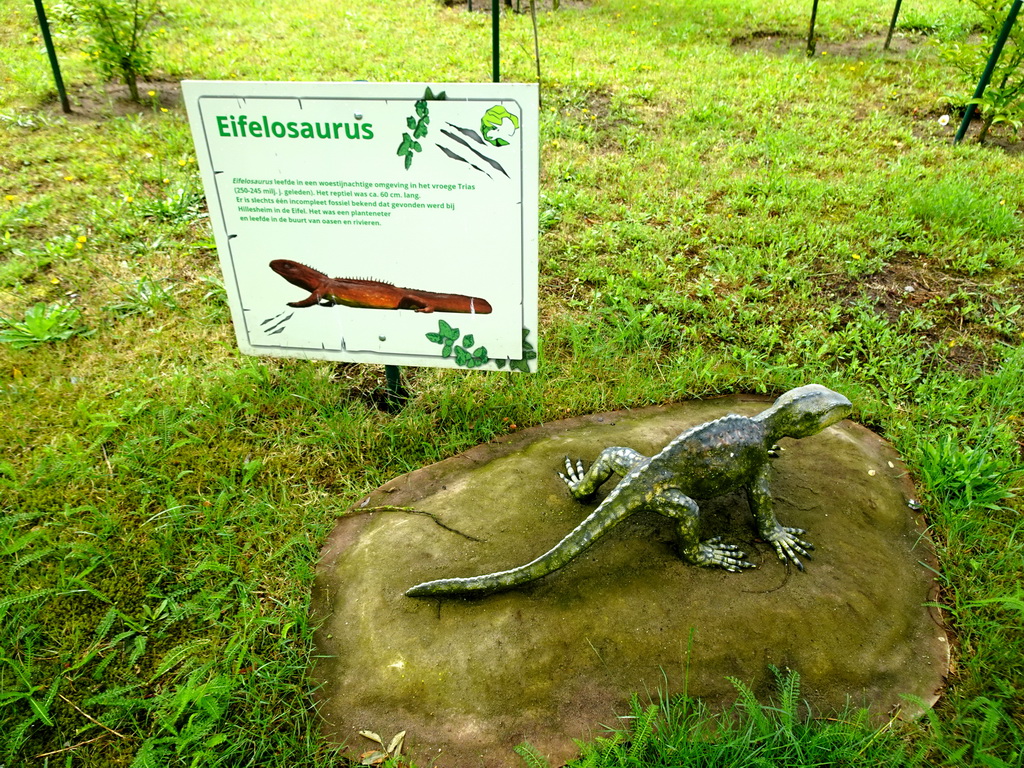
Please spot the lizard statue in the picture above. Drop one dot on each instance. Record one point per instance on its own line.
(370, 294)
(705, 461)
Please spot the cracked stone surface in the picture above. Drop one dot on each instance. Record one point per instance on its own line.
(551, 661)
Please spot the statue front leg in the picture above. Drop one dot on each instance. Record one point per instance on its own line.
(710, 552)
(785, 540)
(582, 484)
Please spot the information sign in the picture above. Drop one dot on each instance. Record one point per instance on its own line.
(389, 223)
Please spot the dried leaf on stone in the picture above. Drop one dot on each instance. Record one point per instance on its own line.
(395, 747)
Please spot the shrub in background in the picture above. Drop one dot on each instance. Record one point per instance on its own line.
(1003, 100)
(120, 37)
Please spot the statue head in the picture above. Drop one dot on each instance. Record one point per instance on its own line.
(805, 411)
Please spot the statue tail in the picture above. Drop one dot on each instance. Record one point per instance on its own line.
(580, 539)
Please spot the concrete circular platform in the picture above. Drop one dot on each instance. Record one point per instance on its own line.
(550, 662)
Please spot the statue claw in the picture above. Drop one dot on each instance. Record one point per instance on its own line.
(788, 545)
(573, 475)
(728, 556)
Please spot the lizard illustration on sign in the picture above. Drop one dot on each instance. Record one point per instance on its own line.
(370, 294)
(708, 460)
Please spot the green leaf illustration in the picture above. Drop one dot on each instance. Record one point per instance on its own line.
(411, 122)
(408, 161)
(447, 331)
(468, 340)
(481, 355)
(519, 365)
(447, 351)
(437, 338)
(462, 357)
(526, 344)
(500, 364)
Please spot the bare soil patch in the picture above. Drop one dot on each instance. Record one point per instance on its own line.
(955, 304)
(782, 42)
(92, 102)
(515, 6)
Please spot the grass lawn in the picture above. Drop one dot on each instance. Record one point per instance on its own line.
(719, 213)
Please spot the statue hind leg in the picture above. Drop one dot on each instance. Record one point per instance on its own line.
(615, 460)
(673, 503)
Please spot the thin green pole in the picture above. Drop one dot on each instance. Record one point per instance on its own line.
(393, 376)
(495, 57)
(810, 32)
(44, 27)
(986, 76)
(892, 24)
(396, 393)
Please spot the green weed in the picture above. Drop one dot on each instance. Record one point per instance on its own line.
(145, 296)
(184, 205)
(42, 324)
(680, 731)
(963, 477)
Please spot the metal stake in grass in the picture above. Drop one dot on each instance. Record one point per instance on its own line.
(495, 57)
(396, 393)
(44, 28)
(810, 32)
(892, 24)
(986, 76)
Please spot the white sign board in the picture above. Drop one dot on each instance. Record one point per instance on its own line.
(375, 222)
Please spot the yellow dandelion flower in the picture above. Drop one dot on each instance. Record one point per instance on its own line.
(181, 162)
(54, 280)
(128, 198)
(82, 238)
(79, 246)
(856, 257)
(10, 198)
(163, 109)
(167, 181)
(151, 93)
(69, 178)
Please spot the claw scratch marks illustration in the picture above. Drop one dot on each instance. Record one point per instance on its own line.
(278, 323)
(456, 156)
(493, 163)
